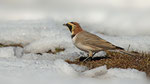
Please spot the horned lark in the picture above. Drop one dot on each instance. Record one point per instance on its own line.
(88, 42)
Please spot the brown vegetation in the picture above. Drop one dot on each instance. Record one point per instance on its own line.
(141, 61)
(57, 50)
(11, 45)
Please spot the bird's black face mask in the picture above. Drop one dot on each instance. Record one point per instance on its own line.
(69, 26)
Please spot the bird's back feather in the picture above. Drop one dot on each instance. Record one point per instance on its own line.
(95, 42)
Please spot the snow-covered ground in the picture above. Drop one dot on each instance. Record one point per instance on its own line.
(19, 71)
(38, 28)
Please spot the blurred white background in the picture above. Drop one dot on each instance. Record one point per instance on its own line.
(112, 17)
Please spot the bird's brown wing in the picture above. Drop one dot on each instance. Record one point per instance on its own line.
(94, 41)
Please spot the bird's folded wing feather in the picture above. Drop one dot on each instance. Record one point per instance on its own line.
(95, 41)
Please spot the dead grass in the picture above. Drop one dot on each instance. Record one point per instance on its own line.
(57, 50)
(11, 45)
(141, 61)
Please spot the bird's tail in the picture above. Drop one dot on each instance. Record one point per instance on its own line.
(126, 52)
(122, 50)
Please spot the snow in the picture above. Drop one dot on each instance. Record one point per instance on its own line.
(37, 26)
(95, 72)
(51, 35)
(6, 52)
(59, 72)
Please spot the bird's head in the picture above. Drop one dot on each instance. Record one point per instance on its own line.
(74, 27)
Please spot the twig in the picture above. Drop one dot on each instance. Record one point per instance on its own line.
(128, 47)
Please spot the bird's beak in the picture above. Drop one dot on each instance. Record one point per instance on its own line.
(64, 25)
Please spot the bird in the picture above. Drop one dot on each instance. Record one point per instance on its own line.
(89, 42)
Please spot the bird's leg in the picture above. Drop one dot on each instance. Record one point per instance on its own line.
(89, 56)
(93, 54)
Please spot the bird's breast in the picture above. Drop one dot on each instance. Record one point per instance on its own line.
(74, 39)
(80, 45)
